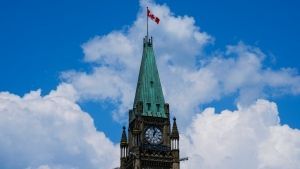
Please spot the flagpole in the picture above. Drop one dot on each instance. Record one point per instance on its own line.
(147, 22)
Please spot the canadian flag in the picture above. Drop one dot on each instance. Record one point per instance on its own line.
(152, 16)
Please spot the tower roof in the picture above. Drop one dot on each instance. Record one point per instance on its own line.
(175, 133)
(149, 91)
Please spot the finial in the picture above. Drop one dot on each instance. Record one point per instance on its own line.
(124, 127)
(174, 118)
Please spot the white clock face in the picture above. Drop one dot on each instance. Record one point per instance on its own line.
(153, 135)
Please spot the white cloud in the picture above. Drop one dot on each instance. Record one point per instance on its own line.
(51, 132)
(104, 84)
(99, 49)
(249, 138)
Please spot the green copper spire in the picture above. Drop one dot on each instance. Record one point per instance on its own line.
(149, 98)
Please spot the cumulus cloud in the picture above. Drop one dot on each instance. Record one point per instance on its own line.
(249, 138)
(189, 76)
(51, 132)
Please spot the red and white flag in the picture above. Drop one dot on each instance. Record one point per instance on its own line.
(152, 16)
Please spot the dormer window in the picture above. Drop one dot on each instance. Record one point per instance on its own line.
(148, 106)
(157, 107)
(151, 83)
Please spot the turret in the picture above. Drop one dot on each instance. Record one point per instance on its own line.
(175, 145)
(124, 148)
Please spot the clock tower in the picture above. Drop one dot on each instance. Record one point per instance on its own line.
(151, 143)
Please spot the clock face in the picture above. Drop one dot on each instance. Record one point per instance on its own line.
(153, 135)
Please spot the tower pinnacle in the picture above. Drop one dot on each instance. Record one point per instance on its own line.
(124, 137)
(175, 133)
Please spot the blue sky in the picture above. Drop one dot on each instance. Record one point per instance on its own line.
(239, 57)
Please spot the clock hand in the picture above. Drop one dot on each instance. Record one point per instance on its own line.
(154, 133)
